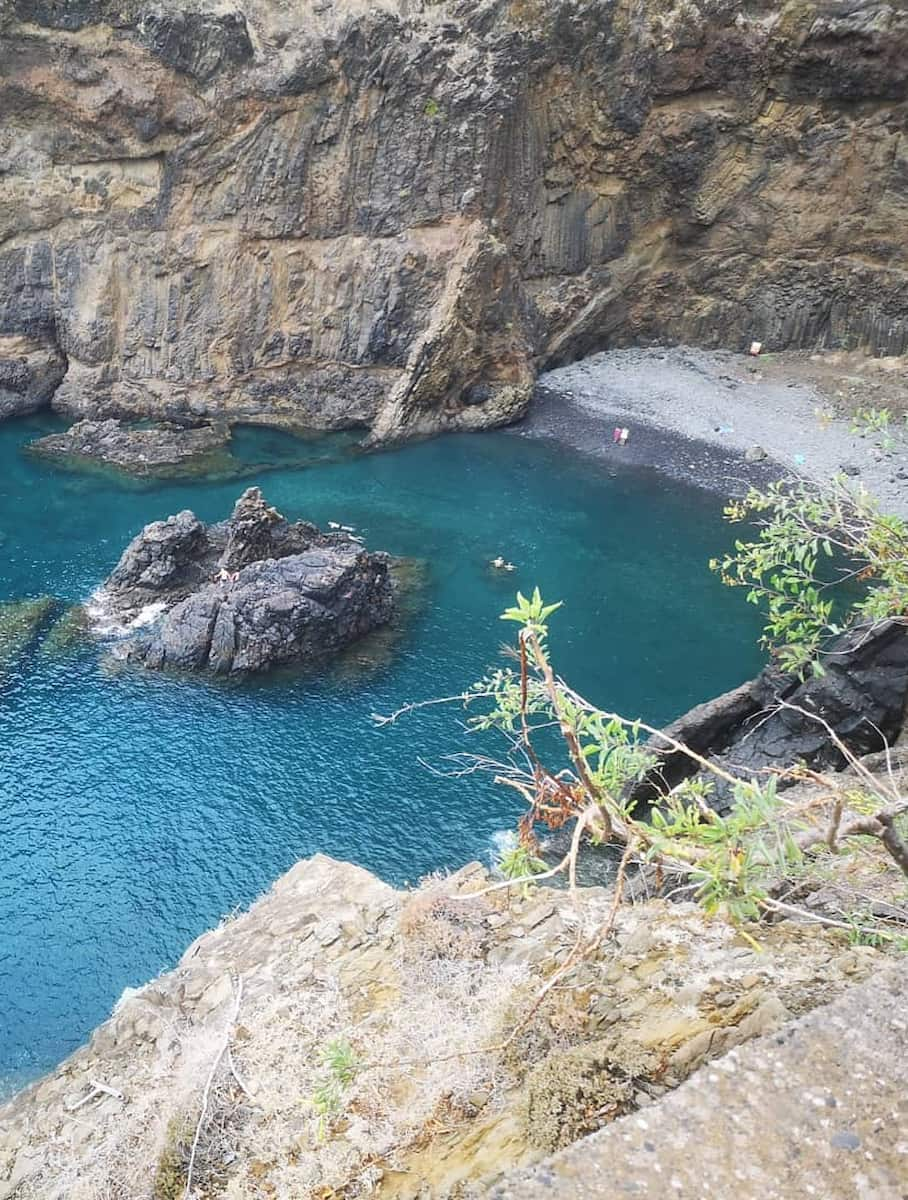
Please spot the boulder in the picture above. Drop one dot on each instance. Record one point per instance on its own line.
(142, 451)
(247, 594)
(292, 609)
(30, 373)
(862, 696)
(167, 561)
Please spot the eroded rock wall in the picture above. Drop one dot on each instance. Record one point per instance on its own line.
(390, 215)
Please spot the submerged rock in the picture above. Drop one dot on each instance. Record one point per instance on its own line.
(142, 451)
(67, 633)
(250, 593)
(20, 623)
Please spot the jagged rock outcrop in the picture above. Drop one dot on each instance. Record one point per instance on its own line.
(248, 594)
(388, 215)
(30, 373)
(862, 696)
(136, 450)
(422, 988)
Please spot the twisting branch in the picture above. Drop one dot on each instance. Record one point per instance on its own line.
(671, 742)
(529, 635)
(882, 824)
(805, 914)
(831, 836)
(464, 698)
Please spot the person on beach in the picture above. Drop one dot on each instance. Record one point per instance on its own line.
(623, 435)
(616, 435)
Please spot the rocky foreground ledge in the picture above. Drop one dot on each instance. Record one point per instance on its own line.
(427, 992)
(246, 594)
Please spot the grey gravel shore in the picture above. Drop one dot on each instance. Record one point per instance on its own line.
(708, 417)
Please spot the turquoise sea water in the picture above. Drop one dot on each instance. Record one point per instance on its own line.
(136, 809)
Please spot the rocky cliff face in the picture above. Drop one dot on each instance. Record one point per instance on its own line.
(391, 214)
(421, 987)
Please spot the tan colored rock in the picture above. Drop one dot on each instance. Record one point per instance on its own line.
(453, 1084)
(388, 215)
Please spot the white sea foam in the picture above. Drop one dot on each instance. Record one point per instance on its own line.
(502, 840)
(148, 614)
(106, 623)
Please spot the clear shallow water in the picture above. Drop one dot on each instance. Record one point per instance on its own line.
(136, 810)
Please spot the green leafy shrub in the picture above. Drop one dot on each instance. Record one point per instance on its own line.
(733, 861)
(824, 560)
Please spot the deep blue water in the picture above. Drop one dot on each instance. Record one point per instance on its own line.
(138, 809)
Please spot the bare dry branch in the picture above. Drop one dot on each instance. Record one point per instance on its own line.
(224, 1049)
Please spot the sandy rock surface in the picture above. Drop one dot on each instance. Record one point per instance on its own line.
(428, 993)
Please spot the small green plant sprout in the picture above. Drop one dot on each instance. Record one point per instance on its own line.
(824, 560)
(860, 935)
(518, 862)
(340, 1065)
(432, 108)
(533, 612)
(868, 421)
(874, 423)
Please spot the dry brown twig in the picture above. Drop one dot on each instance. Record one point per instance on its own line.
(224, 1049)
(880, 825)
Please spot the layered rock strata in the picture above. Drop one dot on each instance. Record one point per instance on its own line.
(247, 594)
(389, 215)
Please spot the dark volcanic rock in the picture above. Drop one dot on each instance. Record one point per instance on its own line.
(138, 450)
(30, 373)
(245, 595)
(291, 609)
(863, 697)
(165, 562)
(257, 531)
